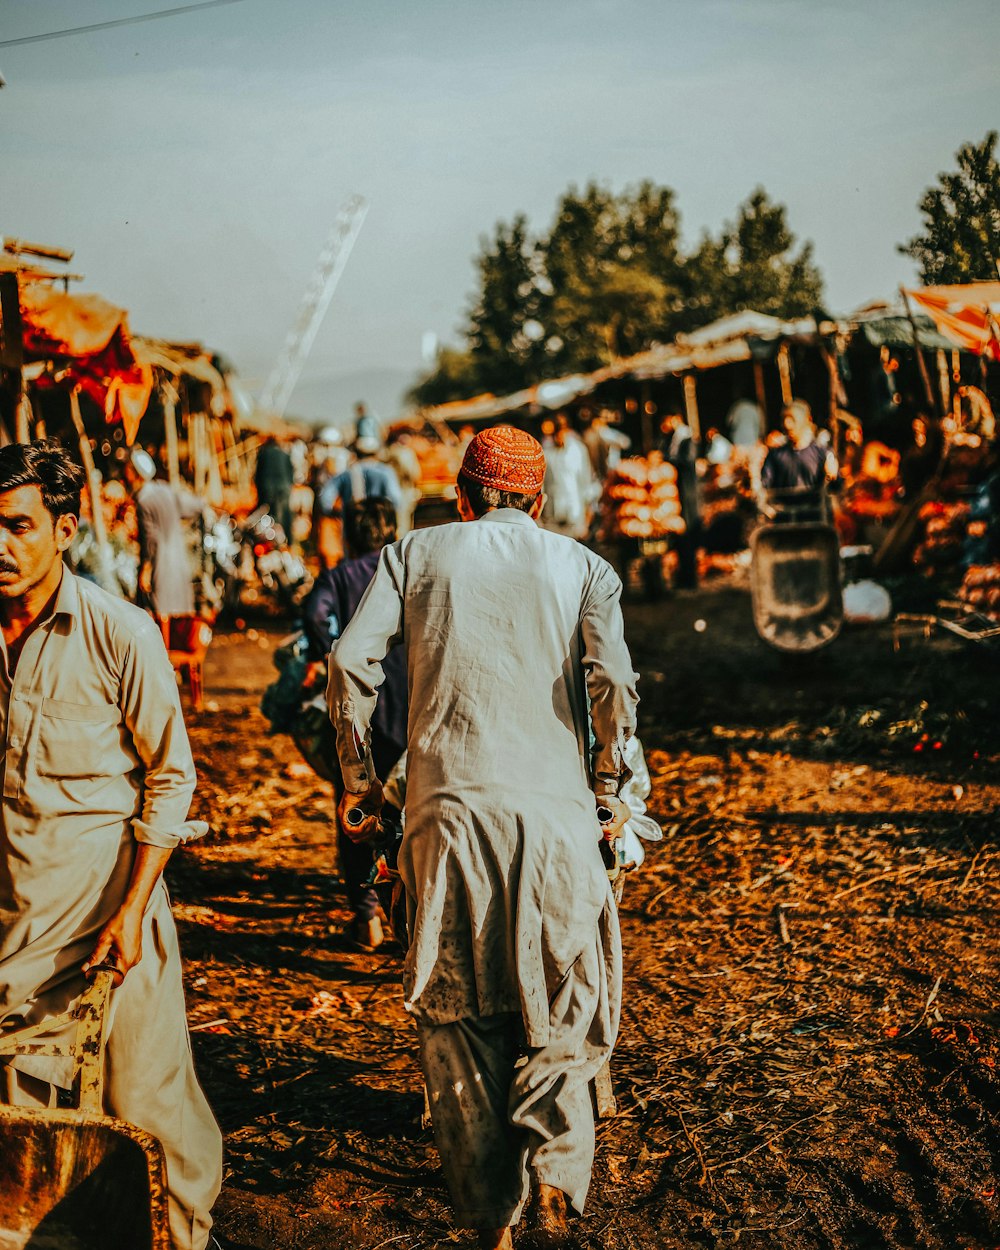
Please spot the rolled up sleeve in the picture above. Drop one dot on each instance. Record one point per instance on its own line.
(356, 672)
(151, 710)
(611, 683)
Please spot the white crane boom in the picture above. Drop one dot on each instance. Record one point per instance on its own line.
(332, 260)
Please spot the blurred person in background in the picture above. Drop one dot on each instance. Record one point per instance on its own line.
(570, 486)
(165, 576)
(274, 477)
(402, 458)
(370, 525)
(678, 447)
(802, 462)
(605, 443)
(368, 477)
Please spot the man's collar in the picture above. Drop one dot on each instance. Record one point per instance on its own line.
(68, 596)
(507, 516)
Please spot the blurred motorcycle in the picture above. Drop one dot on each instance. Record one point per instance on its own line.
(251, 557)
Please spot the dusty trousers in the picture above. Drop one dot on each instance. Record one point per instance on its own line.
(151, 1083)
(500, 1123)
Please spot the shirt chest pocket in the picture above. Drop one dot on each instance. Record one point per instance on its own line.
(76, 739)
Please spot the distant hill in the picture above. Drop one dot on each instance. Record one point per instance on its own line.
(330, 400)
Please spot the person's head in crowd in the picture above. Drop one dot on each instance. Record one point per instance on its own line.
(796, 418)
(502, 468)
(671, 421)
(369, 525)
(40, 487)
(563, 428)
(367, 440)
(140, 468)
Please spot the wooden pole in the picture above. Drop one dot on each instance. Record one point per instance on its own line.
(168, 396)
(944, 377)
(691, 406)
(785, 374)
(22, 418)
(761, 391)
(108, 582)
(833, 408)
(925, 376)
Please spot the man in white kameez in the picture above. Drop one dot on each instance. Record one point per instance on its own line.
(511, 632)
(97, 781)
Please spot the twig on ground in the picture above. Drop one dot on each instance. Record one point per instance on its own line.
(692, 1142)
(881, 876)
(972, 867)
(728, 1163)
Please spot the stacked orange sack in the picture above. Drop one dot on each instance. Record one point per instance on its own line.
(640, 500)
(981, 589)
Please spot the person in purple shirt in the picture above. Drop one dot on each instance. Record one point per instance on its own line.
(801, 463)
(370, 524)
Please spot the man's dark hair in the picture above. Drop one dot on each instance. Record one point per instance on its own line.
(47, 465)
(481, 498)
(369, 524)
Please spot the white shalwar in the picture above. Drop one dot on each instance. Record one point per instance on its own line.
(96, 761)
(514, 939)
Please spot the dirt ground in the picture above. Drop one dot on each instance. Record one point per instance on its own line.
(810, 1037)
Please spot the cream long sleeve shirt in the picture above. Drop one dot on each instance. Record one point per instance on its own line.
(96, 760)
(510, 632)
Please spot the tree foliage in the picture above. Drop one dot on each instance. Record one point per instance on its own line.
(960, 241)
(608, 279)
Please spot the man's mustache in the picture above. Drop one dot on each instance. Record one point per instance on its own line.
(7, 567)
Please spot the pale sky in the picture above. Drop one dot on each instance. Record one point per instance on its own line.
(196, 164)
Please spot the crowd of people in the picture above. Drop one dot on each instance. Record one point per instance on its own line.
(481, 713)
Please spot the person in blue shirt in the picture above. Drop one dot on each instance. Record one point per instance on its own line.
(369, 524)
(367, 478)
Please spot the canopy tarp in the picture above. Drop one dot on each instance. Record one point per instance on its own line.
(89, 337)
(897, 332)
(967, 314)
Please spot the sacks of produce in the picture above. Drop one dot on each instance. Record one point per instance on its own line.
(641, 500)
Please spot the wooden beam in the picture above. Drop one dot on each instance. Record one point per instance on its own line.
(925, 376)
(691, 406)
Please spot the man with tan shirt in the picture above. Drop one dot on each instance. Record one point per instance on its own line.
(97, 781)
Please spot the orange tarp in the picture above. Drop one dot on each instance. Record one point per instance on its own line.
(91, 337)
(967, 313)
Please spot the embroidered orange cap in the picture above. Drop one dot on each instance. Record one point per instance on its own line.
(506, 459)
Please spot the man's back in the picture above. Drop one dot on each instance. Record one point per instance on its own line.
(492, 624)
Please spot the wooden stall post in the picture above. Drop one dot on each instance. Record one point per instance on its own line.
(169, 397)
(108, 581)
(944, 378)
(761, 391)
(22, 418)
(691, 406)
(924, 375)
(785, 374)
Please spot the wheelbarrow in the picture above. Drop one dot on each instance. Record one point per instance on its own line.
(795, 575)
(78, 1179)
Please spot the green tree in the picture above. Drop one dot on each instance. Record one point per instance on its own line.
(503, 333)
(960, 241)
(610, 279)
(615, 271)
(752, 265)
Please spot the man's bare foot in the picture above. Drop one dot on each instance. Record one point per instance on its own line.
(494, 1239)
(546, 1219)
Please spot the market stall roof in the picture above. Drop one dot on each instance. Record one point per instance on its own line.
(90, 338)
(968, 314)
(720, 343)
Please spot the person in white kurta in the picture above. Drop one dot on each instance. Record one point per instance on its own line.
(509, 632)
(97, 779)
